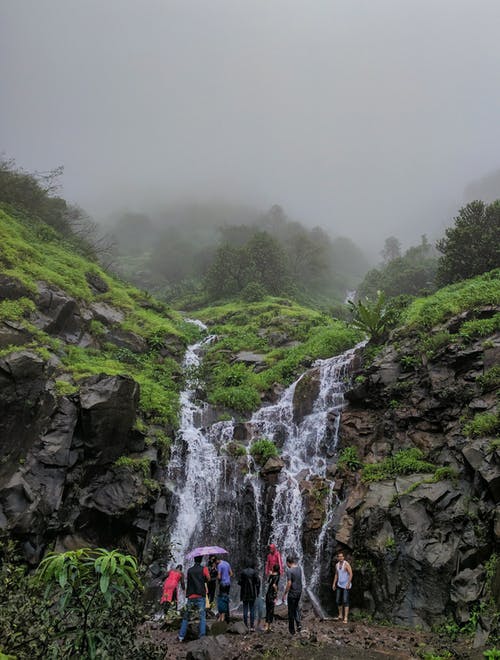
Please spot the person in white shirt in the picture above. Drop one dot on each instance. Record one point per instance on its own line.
(342, 583)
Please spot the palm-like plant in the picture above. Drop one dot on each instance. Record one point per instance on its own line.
(372, 317)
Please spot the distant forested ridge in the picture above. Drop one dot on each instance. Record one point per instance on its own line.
(202, 253)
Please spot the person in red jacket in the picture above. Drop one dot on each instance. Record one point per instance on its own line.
(170, 586)
(273, 558)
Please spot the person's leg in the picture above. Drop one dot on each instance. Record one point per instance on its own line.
(292, 604)
(346, 605)
(185, 621)
(251, 607)
(245, 613)
(297, 615)
(200, 602)
(339, 598)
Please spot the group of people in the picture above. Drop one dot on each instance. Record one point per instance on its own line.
(201, 585)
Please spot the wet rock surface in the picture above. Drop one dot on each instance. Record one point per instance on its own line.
(322, 640)
(419, 543)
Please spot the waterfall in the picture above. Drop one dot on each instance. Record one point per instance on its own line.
(222, 500)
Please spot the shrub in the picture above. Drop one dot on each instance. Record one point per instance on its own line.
(424, 313)
(483, 424)
(263, 449)
(236, 449)
(25, 619)
(405, 461)
(64, 388)
(93, 591)
(139, 465)
(349, 459)
(490, 380)
(253, 292)
(431, 344)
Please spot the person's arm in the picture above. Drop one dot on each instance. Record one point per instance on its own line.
(280, 562)
(335, 578)
(183, 586)
(287, 588)
(231, 574)
(349, 570)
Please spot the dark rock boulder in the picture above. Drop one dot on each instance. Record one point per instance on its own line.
(210, 648)
(305, 394)
(466, 587)
(11, 288)
(486, 463)
(108, 410)
(106, 314)
(13, 334)
(96, 282)
(58, 314)
(26, 406)
(56, 442)
(114, 493)
(127, 339)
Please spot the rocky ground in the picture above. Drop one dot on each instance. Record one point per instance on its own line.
(319, 640)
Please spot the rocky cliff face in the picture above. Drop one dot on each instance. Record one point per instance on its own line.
(74, 468)
(422, 543)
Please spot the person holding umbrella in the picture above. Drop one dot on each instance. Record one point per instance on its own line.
(196, 589)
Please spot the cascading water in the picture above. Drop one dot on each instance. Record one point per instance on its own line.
(222, 500)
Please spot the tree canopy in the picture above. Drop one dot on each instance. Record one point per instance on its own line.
(472, 245)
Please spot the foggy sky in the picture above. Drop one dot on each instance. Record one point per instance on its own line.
(369, 117)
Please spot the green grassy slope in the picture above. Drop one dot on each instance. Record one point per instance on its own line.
(287, 336)
(32, 252)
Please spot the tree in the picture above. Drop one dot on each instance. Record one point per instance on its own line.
(472, 245)
(412, 274)
(392, 249)
(268, 262)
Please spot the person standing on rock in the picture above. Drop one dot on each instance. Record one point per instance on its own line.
(271, 595)
(250, 587)
(342, 582)
(212, 583)
(170, 587)
(224, 575)
(273, 558)
(292, 594)
(197, 579)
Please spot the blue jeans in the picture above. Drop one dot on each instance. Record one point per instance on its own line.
(249, 606)
(191, 605)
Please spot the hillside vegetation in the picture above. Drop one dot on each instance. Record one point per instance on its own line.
(265, 343)
(122, 331)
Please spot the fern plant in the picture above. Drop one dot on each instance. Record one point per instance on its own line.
(372, 317)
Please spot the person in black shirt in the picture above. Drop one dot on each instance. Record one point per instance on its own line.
(293, 591)
(197, 578)
(250, 586)
(271, 594)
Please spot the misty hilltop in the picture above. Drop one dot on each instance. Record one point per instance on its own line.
(368, 119)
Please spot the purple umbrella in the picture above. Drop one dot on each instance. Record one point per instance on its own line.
(206, 550)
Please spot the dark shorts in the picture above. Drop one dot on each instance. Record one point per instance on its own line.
(224, 588)
(342, 596)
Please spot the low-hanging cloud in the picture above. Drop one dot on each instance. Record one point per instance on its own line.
(367, 117)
